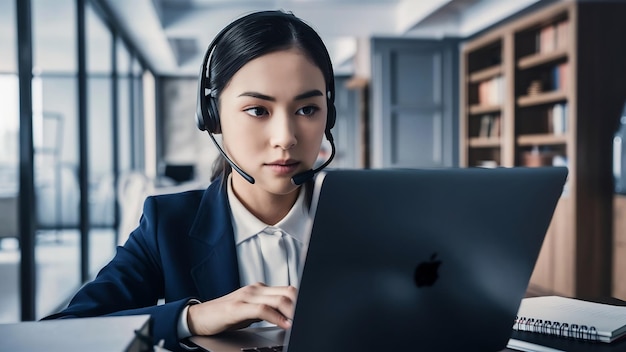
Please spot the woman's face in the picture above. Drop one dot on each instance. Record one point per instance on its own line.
(273, 116)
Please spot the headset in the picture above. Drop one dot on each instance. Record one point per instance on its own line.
(207, 114)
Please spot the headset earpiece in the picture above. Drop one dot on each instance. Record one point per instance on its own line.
(207, 114)
(332, 115)
(201, 102)
(213, 121)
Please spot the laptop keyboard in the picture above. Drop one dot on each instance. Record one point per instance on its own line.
(263, 349)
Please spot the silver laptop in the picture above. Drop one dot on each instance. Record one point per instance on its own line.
(431, 260)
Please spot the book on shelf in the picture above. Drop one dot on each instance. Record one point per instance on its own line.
(562, 30)
(560, 77)
(490, 91)
(547, 39)
(558, 118)
(570, 318)
(494, 130)
(553, 37)
(489, 126)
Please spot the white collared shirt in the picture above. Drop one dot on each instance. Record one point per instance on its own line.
(294, 229)
(253, 246)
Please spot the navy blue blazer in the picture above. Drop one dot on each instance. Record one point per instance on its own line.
(184, 248)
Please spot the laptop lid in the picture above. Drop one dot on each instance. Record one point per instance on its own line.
(435, 259)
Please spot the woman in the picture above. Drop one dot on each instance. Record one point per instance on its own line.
(227, 257)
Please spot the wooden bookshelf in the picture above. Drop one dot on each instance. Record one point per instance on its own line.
(562, 83)
(538, 59)
(541, 139)
(485, 74)
(619, 247)
(541, 98)
(484, 109)
(486, 142)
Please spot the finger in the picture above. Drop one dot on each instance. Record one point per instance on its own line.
(267, 313)
(288, 291)
(283, 304)
(262, 289)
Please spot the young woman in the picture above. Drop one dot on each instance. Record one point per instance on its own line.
(227, 257)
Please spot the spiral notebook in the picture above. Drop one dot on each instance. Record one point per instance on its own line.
(571, 318)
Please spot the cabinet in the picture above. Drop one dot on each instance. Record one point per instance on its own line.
(414, 102)
(547, 89)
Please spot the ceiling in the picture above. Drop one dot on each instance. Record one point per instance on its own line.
(172, 35)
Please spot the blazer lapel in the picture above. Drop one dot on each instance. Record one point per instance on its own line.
(214, 260)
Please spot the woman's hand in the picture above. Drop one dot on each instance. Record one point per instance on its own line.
(243, 307)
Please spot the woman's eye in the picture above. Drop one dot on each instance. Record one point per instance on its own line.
(256, 111)
(307, 110)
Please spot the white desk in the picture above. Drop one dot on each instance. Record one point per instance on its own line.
(106, 334)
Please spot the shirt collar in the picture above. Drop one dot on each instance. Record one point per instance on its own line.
(246, 225)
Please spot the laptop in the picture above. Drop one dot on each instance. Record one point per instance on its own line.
(406, 259)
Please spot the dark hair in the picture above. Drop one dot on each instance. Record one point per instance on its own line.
(255, 35)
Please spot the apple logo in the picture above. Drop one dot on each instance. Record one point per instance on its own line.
(426, 273)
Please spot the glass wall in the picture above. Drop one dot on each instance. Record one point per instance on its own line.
(9, 157)
(100, 141)
(124, 108)
(56, 146)
(55, 138)
(137, 124)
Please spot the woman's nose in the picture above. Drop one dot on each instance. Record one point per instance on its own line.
(283, 131)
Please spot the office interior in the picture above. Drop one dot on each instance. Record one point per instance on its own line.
(97, 108)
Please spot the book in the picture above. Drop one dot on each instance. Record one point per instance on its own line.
(489, 126)
(547, 39)
(485, 126)
(490, 91)
(562, 34)
(532, 342)
(521, 345)
(571, 318)
(558, 118)
(494, 131)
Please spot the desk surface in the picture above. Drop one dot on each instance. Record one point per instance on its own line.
(104, 334)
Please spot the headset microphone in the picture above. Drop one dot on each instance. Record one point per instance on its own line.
(232, 163)
(302, 177)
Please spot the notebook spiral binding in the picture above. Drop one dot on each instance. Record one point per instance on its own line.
(575, 331)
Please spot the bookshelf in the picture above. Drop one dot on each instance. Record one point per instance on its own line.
(547, 89)
(484, 73)
(619, 247)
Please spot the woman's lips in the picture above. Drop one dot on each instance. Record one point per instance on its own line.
(283, 168)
